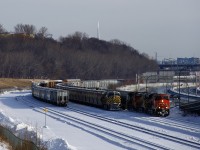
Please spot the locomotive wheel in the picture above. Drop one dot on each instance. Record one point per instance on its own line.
(167, 114)
(108, 107)
(141, 109)
(105, 106)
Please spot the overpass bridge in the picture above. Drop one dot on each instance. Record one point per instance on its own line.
(176, 67)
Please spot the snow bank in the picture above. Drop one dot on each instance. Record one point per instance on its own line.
(3, 146)
(58, 144)
(20, 129)
(6, 121)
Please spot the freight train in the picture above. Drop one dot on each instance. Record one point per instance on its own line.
(109, 100)
(58, 92)
(50, 95)
(154, 103)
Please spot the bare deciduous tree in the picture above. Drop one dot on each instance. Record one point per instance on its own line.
(43, 33)
(74, 56)
(26, 28)
(2, 30)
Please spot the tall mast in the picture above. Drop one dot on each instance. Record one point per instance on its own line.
(98, 32)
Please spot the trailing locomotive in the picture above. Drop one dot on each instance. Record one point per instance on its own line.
(109, 100)
(51, 95)
(156, 104)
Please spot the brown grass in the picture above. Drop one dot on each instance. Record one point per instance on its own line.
(6, 83)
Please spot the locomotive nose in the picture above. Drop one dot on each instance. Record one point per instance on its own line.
(162, 105)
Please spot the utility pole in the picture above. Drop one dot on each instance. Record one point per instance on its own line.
(196, 81)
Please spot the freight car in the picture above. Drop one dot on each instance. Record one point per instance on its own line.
(50, 95)
(109, 100)
(154, 103)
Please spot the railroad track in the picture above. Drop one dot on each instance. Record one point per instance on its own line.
(173, 123)
(183, 121)
(124, 137)
(148, 131)
(126, 125)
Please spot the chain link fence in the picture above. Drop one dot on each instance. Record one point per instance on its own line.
(16, 142)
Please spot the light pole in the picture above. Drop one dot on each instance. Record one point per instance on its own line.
(179, 87)
(147, 80)
(179, 80)
(188, 91)
(196, 81)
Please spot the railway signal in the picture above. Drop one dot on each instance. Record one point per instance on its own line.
(45, 110)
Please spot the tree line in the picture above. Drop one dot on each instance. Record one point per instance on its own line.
(74, 56)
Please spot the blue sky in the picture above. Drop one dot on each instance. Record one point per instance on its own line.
(169, 27)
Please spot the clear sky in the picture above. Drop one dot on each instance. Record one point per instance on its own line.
(169, 27)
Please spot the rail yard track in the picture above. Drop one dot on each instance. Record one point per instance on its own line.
(103, 128)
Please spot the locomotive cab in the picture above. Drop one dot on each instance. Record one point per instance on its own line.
(112, 100)
(162, 104)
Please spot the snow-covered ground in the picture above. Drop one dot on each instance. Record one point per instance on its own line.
(3, 146)
(79, 127)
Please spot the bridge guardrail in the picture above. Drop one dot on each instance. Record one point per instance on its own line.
(185, 105)
(193, 107)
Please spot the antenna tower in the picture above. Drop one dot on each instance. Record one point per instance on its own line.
(98, 32)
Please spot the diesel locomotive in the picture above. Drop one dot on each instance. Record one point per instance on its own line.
(154, 103)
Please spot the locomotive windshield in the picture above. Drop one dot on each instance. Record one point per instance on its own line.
(166, 97)
(113, 94)
(162, 97)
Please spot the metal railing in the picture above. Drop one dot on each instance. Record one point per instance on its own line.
(192, 107)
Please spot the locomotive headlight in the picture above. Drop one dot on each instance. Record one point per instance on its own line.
(162, 101)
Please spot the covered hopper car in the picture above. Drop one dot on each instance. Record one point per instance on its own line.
(51, 95)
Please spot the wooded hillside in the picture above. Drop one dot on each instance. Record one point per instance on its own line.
(73, 56)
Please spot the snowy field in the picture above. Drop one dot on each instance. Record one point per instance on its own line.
(79, 127)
